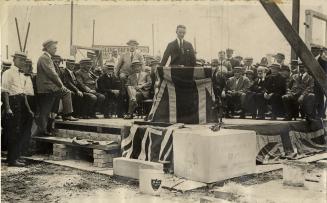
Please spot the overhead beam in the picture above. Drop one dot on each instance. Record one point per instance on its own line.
(296, 42)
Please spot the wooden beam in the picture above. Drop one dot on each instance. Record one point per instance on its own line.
(19, 41)
(308, 28)
(295, 22)
(317, 15)
(296, 42)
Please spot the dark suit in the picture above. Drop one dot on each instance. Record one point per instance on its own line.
(48, 85)
(79, 103)
(320, 105)
(257, 103)
(301, 86)
(276, 84)
(138, 89)
(179, 55)
(86, 84)
(113, 102)
(236, 92)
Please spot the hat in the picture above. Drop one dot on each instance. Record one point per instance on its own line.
(263, 68)
(285, 68)
(214, 61)
(48, 43)
(280, 55)
(70, 59)
(90, 54)
(294, 62)
(6, 63)
(19, 54)
(221, 52)
(136, 62)
(274, 66)
(154, 62)
(248, 59)
(237, 68)
(110, 64)
(29, 61)
(132, 42)
(229, 50)
(238, 58)
(249, 71)
(85, 60)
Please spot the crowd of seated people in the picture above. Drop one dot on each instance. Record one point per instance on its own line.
(274, 90)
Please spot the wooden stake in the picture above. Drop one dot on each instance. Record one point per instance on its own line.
(28, 30)
(20, 44)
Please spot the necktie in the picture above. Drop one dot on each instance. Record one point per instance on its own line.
(132, 55)
(182, 48)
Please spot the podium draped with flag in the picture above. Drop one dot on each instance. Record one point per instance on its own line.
(184, 95)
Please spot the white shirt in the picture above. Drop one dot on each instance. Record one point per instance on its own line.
(28, 86)
(179, 42)
(13, 81)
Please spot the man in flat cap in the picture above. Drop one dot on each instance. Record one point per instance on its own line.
(276, 88)
(248, 65)
(179, 51)
(236, 89)
(231, 60)
(15, 107)
(138, 87)
(110, 86)
(49, 86)
(124, 66)
(279, 58)
(6, 64)
(88, 84)
(300, 95)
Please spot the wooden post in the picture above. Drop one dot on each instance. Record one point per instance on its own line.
(195, 45)
(7, 51)
(326, 35)
(26, 37)
(19, 41)
(308, 28)
(152, 39)
(71, 22)
(295, 22)
(93, 33)
(296, 42)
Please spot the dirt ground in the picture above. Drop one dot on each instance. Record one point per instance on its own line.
(42, 182)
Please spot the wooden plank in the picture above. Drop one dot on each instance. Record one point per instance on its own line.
(316, 14)
(296, 42)
(68, 141)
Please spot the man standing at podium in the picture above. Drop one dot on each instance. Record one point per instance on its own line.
(180, 51)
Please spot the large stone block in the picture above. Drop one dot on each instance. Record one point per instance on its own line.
(130, 167)
(206, 156)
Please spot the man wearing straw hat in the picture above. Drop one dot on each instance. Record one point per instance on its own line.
(49, 86)
(15, 108)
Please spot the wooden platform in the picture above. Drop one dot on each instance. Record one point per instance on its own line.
(115, 125)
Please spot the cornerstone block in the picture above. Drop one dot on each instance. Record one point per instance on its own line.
(206, 156)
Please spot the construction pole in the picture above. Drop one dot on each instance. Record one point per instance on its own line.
(194, 44)
(28, 30)
(295, 22)
(7, 51)
(152, 39)
(71, 22)
(20, 43)
(93, 33)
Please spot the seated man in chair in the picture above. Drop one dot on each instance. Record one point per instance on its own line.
(138, 87)
(301, 94)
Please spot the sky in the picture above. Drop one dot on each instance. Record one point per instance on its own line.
(216, 25)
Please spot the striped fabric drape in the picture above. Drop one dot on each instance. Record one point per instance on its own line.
(185, 96)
